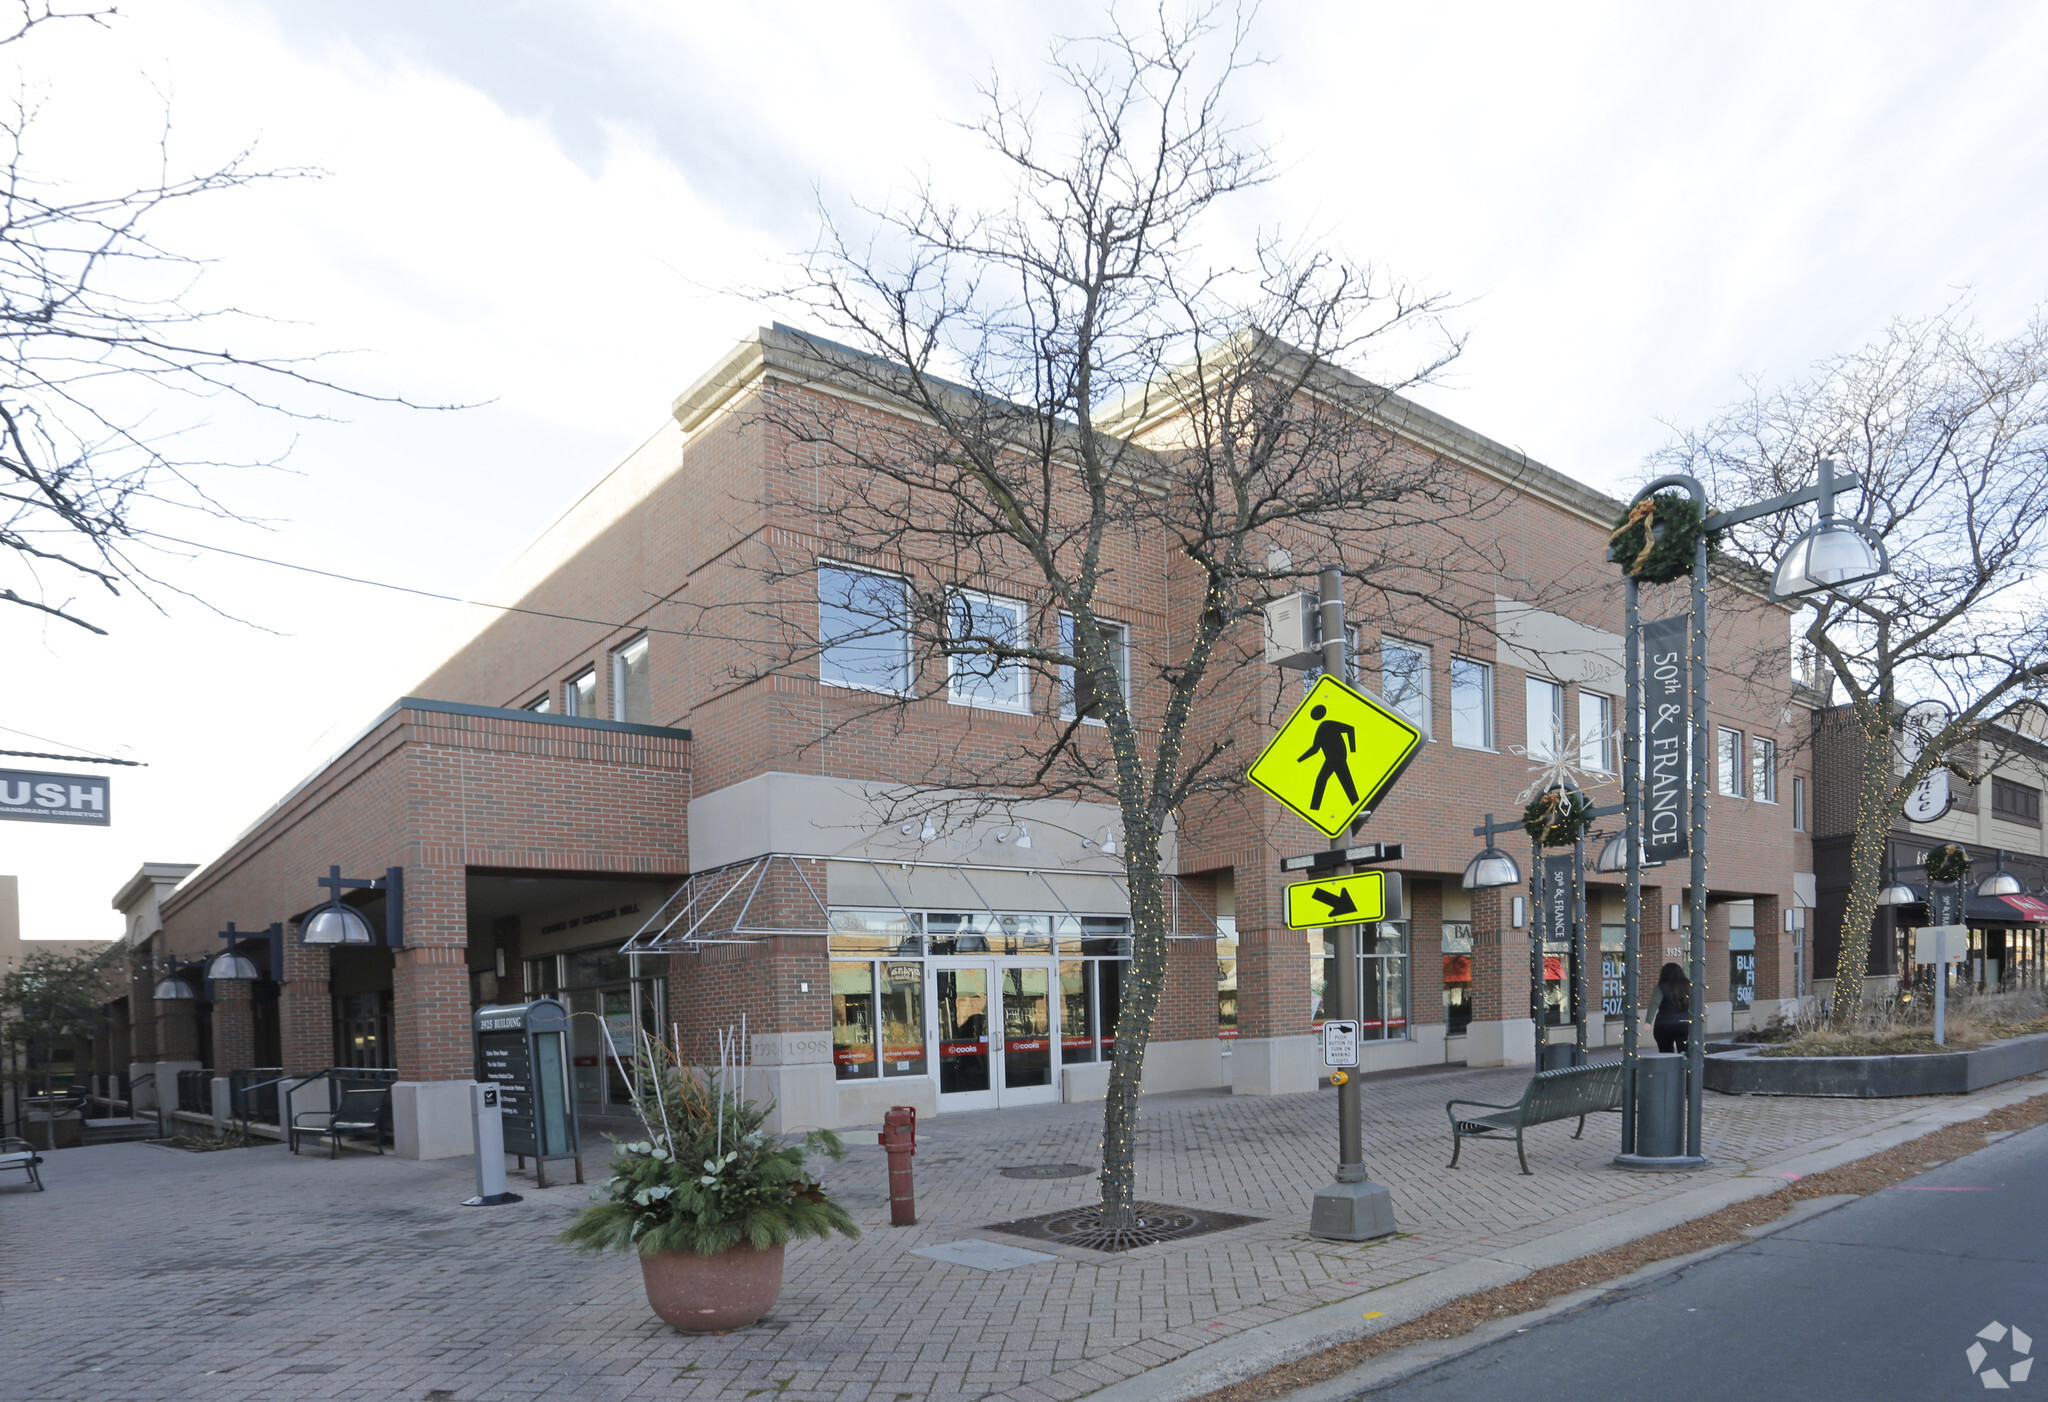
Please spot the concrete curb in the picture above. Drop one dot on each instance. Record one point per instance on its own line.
(1268, 1346)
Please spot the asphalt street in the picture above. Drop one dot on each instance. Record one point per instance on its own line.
(1882, 1298)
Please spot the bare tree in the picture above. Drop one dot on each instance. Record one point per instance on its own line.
(1949, 430)
(101, 344)
(1039, 400)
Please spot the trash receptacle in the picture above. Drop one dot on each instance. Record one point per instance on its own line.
(1552, 1056)
(1660, 1105)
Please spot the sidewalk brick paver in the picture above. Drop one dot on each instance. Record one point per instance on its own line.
(146, 1273)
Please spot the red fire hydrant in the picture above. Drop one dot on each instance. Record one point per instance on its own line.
(899, 1138)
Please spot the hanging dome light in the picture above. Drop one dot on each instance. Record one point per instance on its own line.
(1898, 893)
(336, 924)
(229, 964)
(1833, 555)
(2001, 882)
(1491, 868)
(172, 989)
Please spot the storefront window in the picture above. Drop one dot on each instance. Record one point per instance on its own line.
(853, 1022)
(902, 983)
(878, 996)
(875, 931)
(1742, 968)
(1613, 968)
(1226, 976)
(1382, 979)
(1457, 953)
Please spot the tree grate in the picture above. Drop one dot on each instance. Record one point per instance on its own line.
(1157, 1222)
(1046, 1170)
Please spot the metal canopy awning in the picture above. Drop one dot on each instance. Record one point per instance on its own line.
(717, 906)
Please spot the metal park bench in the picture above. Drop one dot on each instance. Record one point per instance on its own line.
(1550, 1095)
(358, 1112)
(19, 1153)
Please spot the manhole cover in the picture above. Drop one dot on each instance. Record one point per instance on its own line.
(1046, 1170)
(1157, 1222)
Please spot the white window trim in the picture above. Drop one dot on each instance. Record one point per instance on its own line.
(1066, 680)
(619, 675)
(1799, 803)
(1770, 774)
(569, 691)
(910, 678)
(1022, 705)
(1558, 732)
(1610, 743)
(1738, 772)
(1486, 691)
(1427, 723)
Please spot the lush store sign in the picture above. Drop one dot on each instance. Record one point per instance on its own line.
(30, 796)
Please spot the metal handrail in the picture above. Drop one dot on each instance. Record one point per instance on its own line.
(242, 1097)
(135, 1083)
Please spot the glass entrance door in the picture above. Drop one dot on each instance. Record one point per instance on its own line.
(993, 1023)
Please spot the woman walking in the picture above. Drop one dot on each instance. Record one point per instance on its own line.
(1673, 1019)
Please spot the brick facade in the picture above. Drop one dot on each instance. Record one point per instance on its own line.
(676, 545)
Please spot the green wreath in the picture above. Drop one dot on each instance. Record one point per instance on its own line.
(1657, 539)
(1558, 817)
(1948, 862)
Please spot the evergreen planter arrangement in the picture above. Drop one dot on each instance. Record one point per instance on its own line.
(709, 1200)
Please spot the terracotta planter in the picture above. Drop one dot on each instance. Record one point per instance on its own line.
(711, 1294)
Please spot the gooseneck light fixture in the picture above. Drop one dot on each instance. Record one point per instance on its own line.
(2001, 882)
(170, 988)
(1832, 555)
(336, 923)
(1492, 867)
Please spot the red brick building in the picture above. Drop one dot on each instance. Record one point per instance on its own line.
(636, 817)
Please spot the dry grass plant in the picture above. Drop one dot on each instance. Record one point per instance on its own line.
(1904, 1025)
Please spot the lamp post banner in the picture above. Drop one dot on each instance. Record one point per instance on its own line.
(31, 796)
(1667, 781)
(1556, 904)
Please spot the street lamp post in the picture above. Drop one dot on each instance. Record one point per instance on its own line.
(1832, 555)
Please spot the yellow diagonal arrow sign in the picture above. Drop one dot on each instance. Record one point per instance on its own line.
(1340, 900)
(1336, 756)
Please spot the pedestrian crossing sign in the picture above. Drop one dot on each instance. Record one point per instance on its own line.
(1336, 756)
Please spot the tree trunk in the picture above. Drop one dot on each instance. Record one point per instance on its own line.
(1875, 794)
(1134, 1024)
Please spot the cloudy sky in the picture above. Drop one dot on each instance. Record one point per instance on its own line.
(545, 210)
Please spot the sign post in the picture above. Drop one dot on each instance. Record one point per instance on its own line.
(1941, 946)
(1329, 763)
(523, 1051)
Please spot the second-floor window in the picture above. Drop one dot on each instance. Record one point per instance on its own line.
(579, 697)
(1798, 803)
(632, 698)
(863, 629)
(1471, 704)
(1596, 731)
(1078, 696)
(1728, 772)
(978, 625)
(1404, 681)
(2016, 803)
(1763, 769)
(542, 704)
(1546, 719)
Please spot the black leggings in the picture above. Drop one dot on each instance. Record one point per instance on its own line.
(1671, 1036)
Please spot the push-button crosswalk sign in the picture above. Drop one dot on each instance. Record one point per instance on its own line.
(1336, 756)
